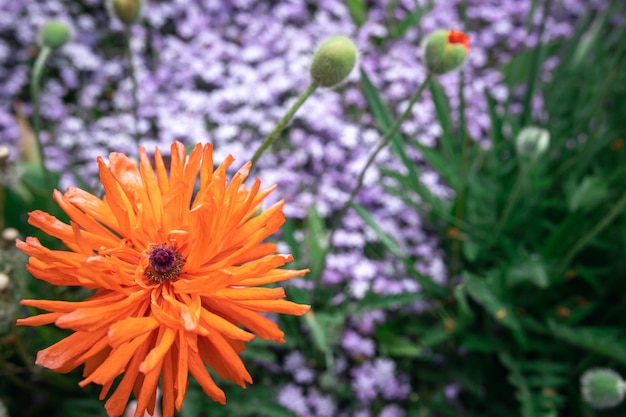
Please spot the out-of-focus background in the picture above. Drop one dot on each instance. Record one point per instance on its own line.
(479, 272)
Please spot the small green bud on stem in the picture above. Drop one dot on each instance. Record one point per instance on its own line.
(127, 11)
(445, 50)
(54, 34)
(333, 62)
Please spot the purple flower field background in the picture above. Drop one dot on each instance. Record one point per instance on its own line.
(500, 332)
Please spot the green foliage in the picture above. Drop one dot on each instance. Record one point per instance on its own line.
(538, 244)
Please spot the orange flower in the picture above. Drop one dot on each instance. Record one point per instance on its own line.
(174, 276)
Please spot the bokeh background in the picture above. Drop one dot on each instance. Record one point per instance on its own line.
(467, 279)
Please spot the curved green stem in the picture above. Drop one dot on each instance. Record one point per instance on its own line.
(133, 79)
(283, 122)
(37, 74)
(385, 141)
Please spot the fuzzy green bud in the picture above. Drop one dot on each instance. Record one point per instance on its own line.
(333, 61)
(532, 142)
(602, 388)
(127, 11)
(54, 34)
(445, 50)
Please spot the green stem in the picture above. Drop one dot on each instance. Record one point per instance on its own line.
(133, 79)
(460, 199)
(584, 240)
(37, 74)
(271, 137)
(386, 139)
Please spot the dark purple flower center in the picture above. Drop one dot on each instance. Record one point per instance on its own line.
(162, 258)
(165, 263)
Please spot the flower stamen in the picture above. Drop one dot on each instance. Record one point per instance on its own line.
(165, 263)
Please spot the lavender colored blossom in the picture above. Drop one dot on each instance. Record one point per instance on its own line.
(292, 397)
(322, 405)
(452, 390)
(379, 379)
(356, 345)
(392, 410)
(295, 363)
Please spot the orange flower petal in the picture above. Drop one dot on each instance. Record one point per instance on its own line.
(262, 326)
(61, 356)
(117, 402)
(199, 372)
(129, 328)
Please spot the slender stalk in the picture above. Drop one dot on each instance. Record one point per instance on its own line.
(271, 137)
(37, 74)
(460, 201)
(602, 224)
(133, 79)
(385, 141)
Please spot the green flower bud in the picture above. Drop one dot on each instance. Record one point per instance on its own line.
(602, 388)
(532, 142)
(54, 34)
(127, 11)
(445, 50)
(333, 61)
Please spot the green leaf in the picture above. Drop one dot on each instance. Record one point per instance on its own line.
(481, 343)
(520, 67)
(586, 195)
(497, 136)
(531, 269)
(325, 328)
(594, 340)
(517, 380)
(503, 313)
(435, 336)
(471, 249)
(288, 235)
(384, 237)
(413, 19)
(315, 239)
(400, 347)
(442, 109)
(442, 165)
(461, 299)
(373, 301)
(385, 120)
(358, 11)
